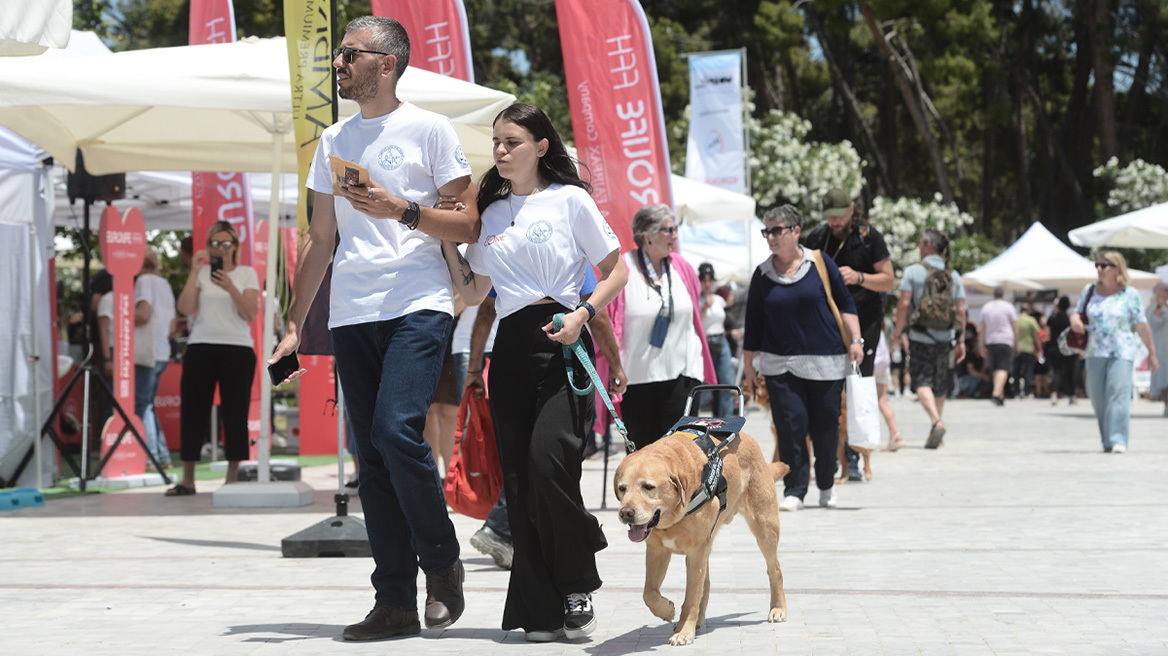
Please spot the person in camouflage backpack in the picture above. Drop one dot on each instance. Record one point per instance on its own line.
(933, 295)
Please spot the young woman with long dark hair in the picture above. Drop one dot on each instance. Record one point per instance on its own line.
(540, 231)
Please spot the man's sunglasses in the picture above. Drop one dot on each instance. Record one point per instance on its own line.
(350, 53)
(775, 231)
(222, 244)
(1103, 265)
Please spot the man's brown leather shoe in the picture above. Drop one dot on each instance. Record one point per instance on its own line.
(383, 622)
(444, 601)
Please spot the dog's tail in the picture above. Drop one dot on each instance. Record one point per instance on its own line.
(778, 470)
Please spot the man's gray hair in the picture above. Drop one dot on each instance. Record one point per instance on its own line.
(789, 215)
(388, 36)
(649, 219)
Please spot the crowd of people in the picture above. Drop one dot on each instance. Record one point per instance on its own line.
(531, 266)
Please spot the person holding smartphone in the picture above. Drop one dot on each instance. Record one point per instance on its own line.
(224, 298)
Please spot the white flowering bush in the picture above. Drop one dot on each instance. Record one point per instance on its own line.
(1137, 185)
(903, 221)
(785, 168)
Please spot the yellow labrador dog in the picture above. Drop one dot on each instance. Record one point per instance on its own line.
(655, 485)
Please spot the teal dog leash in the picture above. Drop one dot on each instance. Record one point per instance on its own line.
(577, 351)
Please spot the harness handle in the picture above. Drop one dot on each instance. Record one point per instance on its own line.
(697, 389)
(576, 349)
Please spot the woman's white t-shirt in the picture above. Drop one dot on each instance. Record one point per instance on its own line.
(217, 320)
(681, 353)
(537, 246)
(714, 320)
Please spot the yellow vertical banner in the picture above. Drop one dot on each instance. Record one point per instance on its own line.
(308, 28)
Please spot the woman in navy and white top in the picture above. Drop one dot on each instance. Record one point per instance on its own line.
(541, 229)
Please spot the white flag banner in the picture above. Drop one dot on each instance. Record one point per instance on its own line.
(715, 153)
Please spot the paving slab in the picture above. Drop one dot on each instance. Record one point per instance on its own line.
(1017, 536)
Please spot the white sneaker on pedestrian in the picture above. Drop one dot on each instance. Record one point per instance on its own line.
(827, 498)
(791, 504)
(1118, 448)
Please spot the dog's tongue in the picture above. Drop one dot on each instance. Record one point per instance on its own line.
(638, 532)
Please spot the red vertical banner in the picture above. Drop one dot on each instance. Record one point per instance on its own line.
(617, 120)
(439, 39)
(257, 333)
(123, 246)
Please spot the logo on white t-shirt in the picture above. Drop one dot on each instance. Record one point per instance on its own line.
(460, 155)
(391, 157)
(539, 232)
(608, 230)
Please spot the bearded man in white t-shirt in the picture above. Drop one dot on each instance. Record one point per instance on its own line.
(390, 315)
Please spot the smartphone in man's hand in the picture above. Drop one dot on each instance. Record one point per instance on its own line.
(284, 367)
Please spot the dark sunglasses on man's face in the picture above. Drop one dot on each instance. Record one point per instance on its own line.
(351, 53)
(1103, 265)
(776, 231)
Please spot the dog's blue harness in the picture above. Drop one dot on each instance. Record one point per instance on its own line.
(713, 483)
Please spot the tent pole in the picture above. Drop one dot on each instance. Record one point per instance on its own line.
(265, 445)
(34, 355)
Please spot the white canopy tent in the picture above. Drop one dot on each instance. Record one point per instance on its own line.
(214, 107)
(1146, 228)
(1039, 260)
(35, 26)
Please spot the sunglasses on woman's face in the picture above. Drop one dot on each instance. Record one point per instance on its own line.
(775, 232)
(351, 53)
(223, 245)
(1103, 265)
(671, 230)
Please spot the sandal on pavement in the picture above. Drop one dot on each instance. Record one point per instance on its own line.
(180, 490)
(895, 442)
(935, 435)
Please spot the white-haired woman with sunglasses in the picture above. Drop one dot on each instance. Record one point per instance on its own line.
(800, 353)
(224, 299)
(1110, 312)
(657, 320)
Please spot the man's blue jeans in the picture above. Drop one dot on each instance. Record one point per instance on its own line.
(144, 394)
(1109, 384)
(724, 369)
(389, 371)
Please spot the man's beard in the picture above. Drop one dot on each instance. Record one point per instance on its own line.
(359, 89)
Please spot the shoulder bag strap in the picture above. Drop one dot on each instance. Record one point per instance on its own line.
(839, 321)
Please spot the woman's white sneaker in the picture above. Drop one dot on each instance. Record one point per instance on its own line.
(827, 498)
(791, 504)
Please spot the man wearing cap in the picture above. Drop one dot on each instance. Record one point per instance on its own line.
(864, 262)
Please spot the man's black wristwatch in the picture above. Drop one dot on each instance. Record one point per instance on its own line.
(411, 216)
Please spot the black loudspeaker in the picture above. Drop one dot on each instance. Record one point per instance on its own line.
(92, 188)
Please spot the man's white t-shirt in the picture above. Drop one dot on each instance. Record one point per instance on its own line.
(556, 234)
(143, 335)
(157, 292)
(383, 270)
(218, 320)
(999, 316)
(460, 343)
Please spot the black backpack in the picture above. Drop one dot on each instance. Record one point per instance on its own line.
(937, 309)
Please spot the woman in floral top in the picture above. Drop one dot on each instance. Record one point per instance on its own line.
(1113, 312)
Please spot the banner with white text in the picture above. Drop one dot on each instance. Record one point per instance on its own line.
(616, 107)
(219, 196)
(439, 38)
(715, 152)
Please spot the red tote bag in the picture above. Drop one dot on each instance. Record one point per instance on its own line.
(475, 478)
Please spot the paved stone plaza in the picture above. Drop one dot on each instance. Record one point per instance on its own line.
(1018, 536)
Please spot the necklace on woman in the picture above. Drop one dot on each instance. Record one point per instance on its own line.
(512, 195)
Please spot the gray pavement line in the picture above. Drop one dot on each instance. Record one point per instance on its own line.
(979, 594)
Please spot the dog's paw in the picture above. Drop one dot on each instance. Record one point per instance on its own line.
(681, 638)
(663, 609)
(777, 615)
